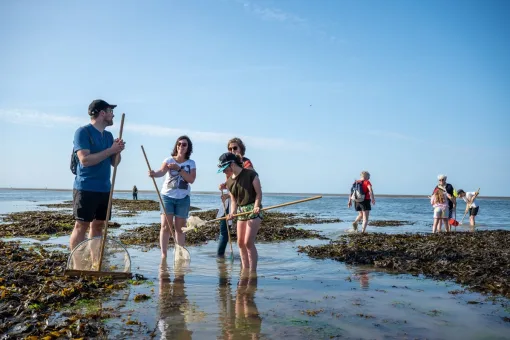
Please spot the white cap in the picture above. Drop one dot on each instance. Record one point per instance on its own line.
(440, 177)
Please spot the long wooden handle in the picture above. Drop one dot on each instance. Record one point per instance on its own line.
(268, 208)
(110, 199)
(159, 196)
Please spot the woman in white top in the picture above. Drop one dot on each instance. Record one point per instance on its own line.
(180, 172)
(471, 205)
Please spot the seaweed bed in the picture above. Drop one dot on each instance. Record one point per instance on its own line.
(273, 229)
(389, 223)
(479, 260)
(39, 223)
(127, 206)
(32, 290)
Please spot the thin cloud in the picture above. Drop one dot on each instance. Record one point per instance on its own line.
(284, 17)
(273, 14)
(391, 135)
(30, 117)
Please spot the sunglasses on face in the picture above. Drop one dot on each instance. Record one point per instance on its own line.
(233, 148)
(182, 144)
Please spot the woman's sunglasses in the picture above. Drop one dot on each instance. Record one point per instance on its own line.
(182, 144)
(233, 148)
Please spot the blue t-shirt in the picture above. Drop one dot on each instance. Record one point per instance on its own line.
(97, 177)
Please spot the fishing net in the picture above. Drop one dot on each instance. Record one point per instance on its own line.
(181, 255)
(86, 256)
(192, 223)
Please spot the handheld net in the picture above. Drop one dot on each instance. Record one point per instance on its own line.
(85, 257)
(181, 255)
(194, 222)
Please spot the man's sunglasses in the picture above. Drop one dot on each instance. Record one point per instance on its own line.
(233, 148)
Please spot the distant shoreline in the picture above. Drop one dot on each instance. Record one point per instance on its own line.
(268, 194)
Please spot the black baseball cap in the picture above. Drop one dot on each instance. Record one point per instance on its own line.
(225, 160)
(98, 105)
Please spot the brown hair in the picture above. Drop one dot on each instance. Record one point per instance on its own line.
(439, 196)
(239, 142)
(189, 151)
(365, 175)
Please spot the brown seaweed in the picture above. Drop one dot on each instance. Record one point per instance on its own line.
(133, 206)
(389, 223)
(275, 227)
(33, 223)
(32, 289)
(479, 260)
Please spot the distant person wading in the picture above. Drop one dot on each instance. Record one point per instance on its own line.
(362, 193)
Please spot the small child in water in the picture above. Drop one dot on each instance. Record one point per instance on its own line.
(440, 203)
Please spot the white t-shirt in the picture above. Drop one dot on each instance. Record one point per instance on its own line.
(175, 186)
(468, 197)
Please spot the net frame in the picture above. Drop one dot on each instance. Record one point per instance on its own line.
(98, 239)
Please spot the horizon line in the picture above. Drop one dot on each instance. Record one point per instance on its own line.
(267, 193)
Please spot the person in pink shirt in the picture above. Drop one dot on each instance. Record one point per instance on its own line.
(439, 201)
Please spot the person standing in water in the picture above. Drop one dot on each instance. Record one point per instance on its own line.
(96, 150)
(135, 193)
(452, 200)
(237, 147)
(245, 196)
(471, 206)
(180, 171)
(439, 201)
(363, 208)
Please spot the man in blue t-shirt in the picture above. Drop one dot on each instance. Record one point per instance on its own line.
(96, 150)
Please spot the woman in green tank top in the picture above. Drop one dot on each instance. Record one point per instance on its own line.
(245, 195)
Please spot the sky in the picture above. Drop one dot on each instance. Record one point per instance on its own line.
(317, 90)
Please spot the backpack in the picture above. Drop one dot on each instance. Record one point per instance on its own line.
(357, 192)
(74, 157)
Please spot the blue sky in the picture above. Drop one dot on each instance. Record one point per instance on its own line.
(318, 90)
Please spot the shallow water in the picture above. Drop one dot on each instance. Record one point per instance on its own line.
(295, 296)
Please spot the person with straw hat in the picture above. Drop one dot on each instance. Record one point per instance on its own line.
(245, 196)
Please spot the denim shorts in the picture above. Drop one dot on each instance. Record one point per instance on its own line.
(176, 207)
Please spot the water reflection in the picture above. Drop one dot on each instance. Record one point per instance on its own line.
(362, 275)
(173, 303)
(239, 317)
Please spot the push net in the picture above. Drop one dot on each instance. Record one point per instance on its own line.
(86, 256)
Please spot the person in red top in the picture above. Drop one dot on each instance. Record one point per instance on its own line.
(237, 147)
(363, 208)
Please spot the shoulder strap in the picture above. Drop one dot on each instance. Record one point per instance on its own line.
(90, 136)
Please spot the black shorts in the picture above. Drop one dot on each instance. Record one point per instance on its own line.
(90, 205)
(473, 211)
(363, 206)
